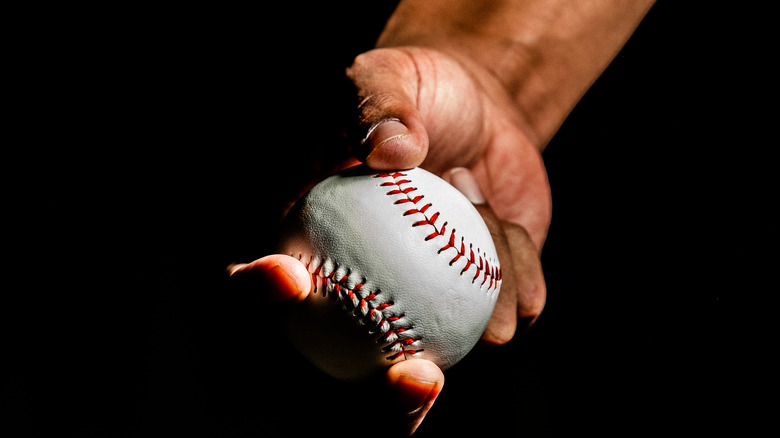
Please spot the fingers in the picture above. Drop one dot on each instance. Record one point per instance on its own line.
(396, 137)
(415, 384)
(523, 291)
(390, 144)
(279, 278)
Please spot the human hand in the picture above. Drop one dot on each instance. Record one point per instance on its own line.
(409, 387)
(473, 92)
(454, 128)
(424, 108)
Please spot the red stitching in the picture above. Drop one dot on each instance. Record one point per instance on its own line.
(390, 175)
(365, 310)
(472, 259)
(414, 200)
(362, 304)
(414, 210)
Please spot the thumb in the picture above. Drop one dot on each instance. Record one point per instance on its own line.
(395, 136)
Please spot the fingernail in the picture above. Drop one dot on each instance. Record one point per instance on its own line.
(384, 131)
(415, 394)
(233, 267)
(463, 180)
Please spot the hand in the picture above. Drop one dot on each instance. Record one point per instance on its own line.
(421, 107)
(410, 386)
(473, 92)
(424, 108)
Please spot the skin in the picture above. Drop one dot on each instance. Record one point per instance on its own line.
(473, 91)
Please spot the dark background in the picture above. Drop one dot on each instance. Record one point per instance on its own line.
(178, 134)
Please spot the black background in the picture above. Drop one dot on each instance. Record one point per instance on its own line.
(178, 134)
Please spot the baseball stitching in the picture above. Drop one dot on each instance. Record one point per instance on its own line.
(361, 304)
(493, 273)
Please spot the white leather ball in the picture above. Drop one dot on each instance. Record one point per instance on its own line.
(402, 266)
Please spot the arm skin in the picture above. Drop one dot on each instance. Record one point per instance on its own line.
(544, 54)
(516, 67)
(480, 87)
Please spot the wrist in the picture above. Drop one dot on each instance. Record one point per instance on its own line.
(490, 34)
(488, 38)
(544, 54)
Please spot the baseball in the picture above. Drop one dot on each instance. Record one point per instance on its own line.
(402, 265)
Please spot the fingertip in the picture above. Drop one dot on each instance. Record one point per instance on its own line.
(420, 370)
(392, 145)
(278, 277)
(416, 383)
(500, 330)
(233, 267)
(463, 179)
(531, 287)
(523, 290)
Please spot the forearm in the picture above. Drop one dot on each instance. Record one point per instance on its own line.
(544, 53)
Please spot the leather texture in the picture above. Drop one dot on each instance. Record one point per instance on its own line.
(402, 264)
